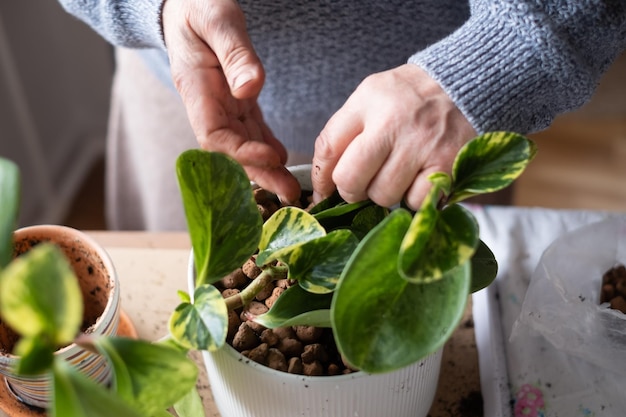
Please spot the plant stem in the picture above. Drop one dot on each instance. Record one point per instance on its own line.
(271, 273)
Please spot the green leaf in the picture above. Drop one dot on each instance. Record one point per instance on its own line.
(484, 267)
(296, 307)
(490, 163)
(328, 203)
(341, 209)
(415, 241)
(150, 376)
(286, 227)
(9, 207)
(35, 355)
(190, 405)
(335, 213)
(203, 324)
(317, 264)
(383, 322)
(451, 243)
(222, 216)
(76, 395)
(368, 218)
(442, 181)
(40, 295)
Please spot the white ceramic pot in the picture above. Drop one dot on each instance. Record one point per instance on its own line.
(243, 388)
(101, 292)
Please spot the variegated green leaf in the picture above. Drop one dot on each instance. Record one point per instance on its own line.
(287, 226)
(418, 235)
(383, 322)
(40, 295)
(203, 324)
(9, 206)
(490, 163)
(451, 243)
(317, 263)
(296, 307)
(150, 376)
(442, 181)
(222, 216)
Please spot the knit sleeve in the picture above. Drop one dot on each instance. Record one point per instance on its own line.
(133, 24)
(515, 65)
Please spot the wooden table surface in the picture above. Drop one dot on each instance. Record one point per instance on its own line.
(152, 267)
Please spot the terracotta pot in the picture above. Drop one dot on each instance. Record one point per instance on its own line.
(101, 294)
(244, 388)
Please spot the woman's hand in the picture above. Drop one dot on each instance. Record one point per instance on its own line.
(219, 77)
(397, 128)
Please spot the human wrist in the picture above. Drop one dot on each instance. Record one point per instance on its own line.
(486, 68)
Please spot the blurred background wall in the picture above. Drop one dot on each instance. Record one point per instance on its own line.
(581, 162)
(55, 76)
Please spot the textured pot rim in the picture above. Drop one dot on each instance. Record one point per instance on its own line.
(302, 173)
(49, 229)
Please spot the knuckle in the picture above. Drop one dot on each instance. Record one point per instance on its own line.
(382, 197)
(324, 146)
(181, 82)
(236, 55)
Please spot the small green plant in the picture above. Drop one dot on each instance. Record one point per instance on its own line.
(40, 299)
(392, 284)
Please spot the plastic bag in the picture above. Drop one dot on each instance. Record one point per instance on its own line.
(562, 301)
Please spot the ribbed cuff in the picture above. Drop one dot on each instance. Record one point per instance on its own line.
(492, 73)
(142, 19)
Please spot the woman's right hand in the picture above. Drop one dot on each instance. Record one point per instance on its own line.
(219, 77)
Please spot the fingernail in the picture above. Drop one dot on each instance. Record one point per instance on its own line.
(242, 79)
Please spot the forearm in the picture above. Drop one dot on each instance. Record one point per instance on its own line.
(517, 64)
(133, 24)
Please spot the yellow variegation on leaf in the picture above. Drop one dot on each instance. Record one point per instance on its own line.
(489, 163)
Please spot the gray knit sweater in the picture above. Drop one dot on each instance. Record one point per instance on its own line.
(507, 64)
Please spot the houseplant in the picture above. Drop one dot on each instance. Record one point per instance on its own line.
(433, 254)
(100, 314)
(392, 284)
(41, 300)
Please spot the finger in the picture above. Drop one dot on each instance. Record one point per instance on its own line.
(419, 189)
(394, 178)
(359, 164)
(246, 152)
(340, 130)
(268, 136)
(277, 180)
(223, 27)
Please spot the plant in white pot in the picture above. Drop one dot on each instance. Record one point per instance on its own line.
(53, 357)
(391, 284)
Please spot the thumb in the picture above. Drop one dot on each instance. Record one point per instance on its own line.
(223, 27)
